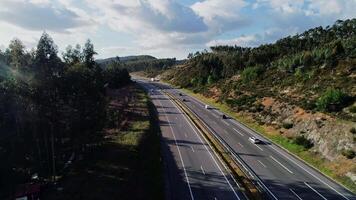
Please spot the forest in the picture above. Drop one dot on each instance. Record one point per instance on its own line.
(51, 108)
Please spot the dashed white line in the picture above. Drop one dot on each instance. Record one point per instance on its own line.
(295, 194)
(262, 163)
(186, 136)
(241, 144)
(258, 147)
(192, 148)
(226, 123)
(216, 163)
(201, 167)
(180, 155)
(238, 132)
(315, 191)
(281, 165)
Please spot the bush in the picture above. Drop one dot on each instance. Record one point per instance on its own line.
(303, 141)
(287, 125)
(250, 74)
(350, 154)
(331, 100)
(353, 130)
(353, 109)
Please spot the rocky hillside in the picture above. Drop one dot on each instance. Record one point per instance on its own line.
(302, 86)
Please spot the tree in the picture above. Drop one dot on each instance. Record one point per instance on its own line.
(17, 54)
(88, 53)
(72, 55)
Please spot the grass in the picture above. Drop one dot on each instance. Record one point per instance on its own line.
(309, 157)
(125, 166)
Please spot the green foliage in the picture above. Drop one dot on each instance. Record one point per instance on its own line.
(349, 153)
(353, 130)
(116, 76)
(250, 74)
(331, 100)
(303, 141)
(287, 125)
(353, 109)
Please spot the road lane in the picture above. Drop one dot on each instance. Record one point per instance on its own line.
(275, 175)
(193, 172)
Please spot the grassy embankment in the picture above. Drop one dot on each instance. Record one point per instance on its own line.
(125, 165)
(311, 158)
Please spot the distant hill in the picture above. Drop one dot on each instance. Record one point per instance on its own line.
(125, 59)
(150, 65)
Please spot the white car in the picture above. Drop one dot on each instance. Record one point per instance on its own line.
(254, 140)
(207, 106)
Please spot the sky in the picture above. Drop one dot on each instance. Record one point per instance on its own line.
(164, 28)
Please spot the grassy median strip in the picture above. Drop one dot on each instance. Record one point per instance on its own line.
(248, 187)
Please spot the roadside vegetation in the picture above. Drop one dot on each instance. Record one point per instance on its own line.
(54, 116)
(126, 163)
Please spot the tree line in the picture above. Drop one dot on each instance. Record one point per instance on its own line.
(50, 107)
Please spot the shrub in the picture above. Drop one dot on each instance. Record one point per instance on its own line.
(303, 141)
(287, 125)
(350, 154)
(353, 130)
(353, 109)
(331, 100)
(250, 73)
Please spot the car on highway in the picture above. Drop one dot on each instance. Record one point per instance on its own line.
(224, 116)
(254, 140)
(207, 106)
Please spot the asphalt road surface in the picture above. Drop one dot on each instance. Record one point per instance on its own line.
(282, 175)
(192, 171)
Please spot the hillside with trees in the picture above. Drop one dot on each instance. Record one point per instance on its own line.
(51, 109)
(148, 65)
(303, 87)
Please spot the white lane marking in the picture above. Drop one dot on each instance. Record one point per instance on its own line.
(315, 191)
(262, 163)
(250, 131)
(258, 147)
(180, 155)
(216, 163)
(226, 132)
(241, 144)
(185, 134)
(295, 194)
(192, 148)
(201, 167)
(215, 122)
(215, 115)
(226, 123)
(238, 132)
(310, 173)
(215, 198)
(281, 165)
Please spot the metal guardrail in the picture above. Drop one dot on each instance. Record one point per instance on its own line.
(242, 164)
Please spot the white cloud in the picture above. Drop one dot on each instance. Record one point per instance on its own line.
(39, 15)
(221, 15)
(244, 41)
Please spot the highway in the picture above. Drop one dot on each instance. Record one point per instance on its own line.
(192, 170)
(279, 174)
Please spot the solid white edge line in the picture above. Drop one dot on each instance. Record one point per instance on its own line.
(295, 194)
(201, 167)
(315, 191)
(180, 155)
(185, 117)
(295, 162)
(281, 165)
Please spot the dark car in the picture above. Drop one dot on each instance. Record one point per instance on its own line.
(224, 117)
